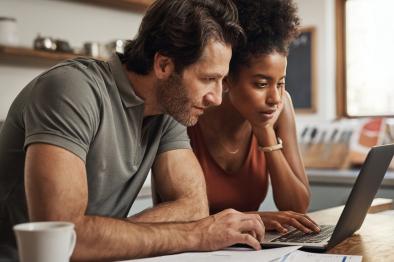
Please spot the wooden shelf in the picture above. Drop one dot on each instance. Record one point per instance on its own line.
(30, 56)
(24, 52)
(132, 5)
(23, 56)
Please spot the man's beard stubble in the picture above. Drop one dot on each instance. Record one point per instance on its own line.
(173, 97)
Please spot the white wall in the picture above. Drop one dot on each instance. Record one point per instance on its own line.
(72, 21)
(321, 15)
(79, 23)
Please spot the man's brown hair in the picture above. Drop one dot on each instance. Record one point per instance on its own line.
(180, 29)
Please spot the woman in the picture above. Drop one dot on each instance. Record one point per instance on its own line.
(251, 137)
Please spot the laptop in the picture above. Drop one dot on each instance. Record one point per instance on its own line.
(354, 212)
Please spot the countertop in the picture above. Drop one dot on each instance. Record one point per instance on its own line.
(345, 177)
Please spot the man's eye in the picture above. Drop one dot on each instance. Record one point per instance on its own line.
(281, 85)
(210, 79)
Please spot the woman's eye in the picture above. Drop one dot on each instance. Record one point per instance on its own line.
(261, 85)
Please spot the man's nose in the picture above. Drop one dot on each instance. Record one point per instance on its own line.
(214, 98)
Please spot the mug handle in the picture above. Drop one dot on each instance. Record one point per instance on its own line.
(72, 243)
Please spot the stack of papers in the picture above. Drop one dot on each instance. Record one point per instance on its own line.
(284, 254)
(300, 256)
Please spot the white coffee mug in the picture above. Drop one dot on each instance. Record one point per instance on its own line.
(45, 241)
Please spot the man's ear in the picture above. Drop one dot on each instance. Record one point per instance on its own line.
(227, 84)
(163, 66)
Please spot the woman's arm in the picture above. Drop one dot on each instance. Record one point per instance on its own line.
(288, 179)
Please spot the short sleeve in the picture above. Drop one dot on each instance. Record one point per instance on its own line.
(63, 109)
(174, 136)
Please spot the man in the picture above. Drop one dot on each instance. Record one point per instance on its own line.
(80, 139)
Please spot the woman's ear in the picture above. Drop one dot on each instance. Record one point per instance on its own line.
(163, 66)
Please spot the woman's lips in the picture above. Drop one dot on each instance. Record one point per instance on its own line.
(267, 114)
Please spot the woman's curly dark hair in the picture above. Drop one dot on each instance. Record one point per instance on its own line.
(269, 26)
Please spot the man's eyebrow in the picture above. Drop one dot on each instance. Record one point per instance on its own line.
(214, 75)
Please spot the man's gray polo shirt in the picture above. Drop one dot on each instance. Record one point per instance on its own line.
(89, 108)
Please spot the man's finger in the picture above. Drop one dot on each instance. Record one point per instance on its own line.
(252, 233)
(248, 240)
(260, 220)
(252, 225)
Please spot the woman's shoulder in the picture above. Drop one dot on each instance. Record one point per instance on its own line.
(193, 131)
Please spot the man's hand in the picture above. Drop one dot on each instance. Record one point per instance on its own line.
(230, 227)
(281, 219)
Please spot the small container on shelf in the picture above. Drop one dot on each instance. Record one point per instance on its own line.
(8, 31)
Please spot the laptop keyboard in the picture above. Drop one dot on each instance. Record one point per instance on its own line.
(301, 237)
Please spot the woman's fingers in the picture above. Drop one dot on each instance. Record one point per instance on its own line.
(305, 220)
(294, 222)
(311, 220)
(275, 225)
(289, 218)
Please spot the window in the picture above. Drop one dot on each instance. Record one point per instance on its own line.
(365, 57)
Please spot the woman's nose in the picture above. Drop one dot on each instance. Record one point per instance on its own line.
(274, 95)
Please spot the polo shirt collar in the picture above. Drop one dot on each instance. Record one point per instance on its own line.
(126, 91)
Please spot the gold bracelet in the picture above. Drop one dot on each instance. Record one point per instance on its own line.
(272, 148)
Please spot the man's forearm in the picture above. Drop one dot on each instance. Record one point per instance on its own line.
(178, 186)
(108, 239)
(179, 210)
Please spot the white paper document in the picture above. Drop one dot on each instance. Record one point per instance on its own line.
(300, 256)
(228, 255)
